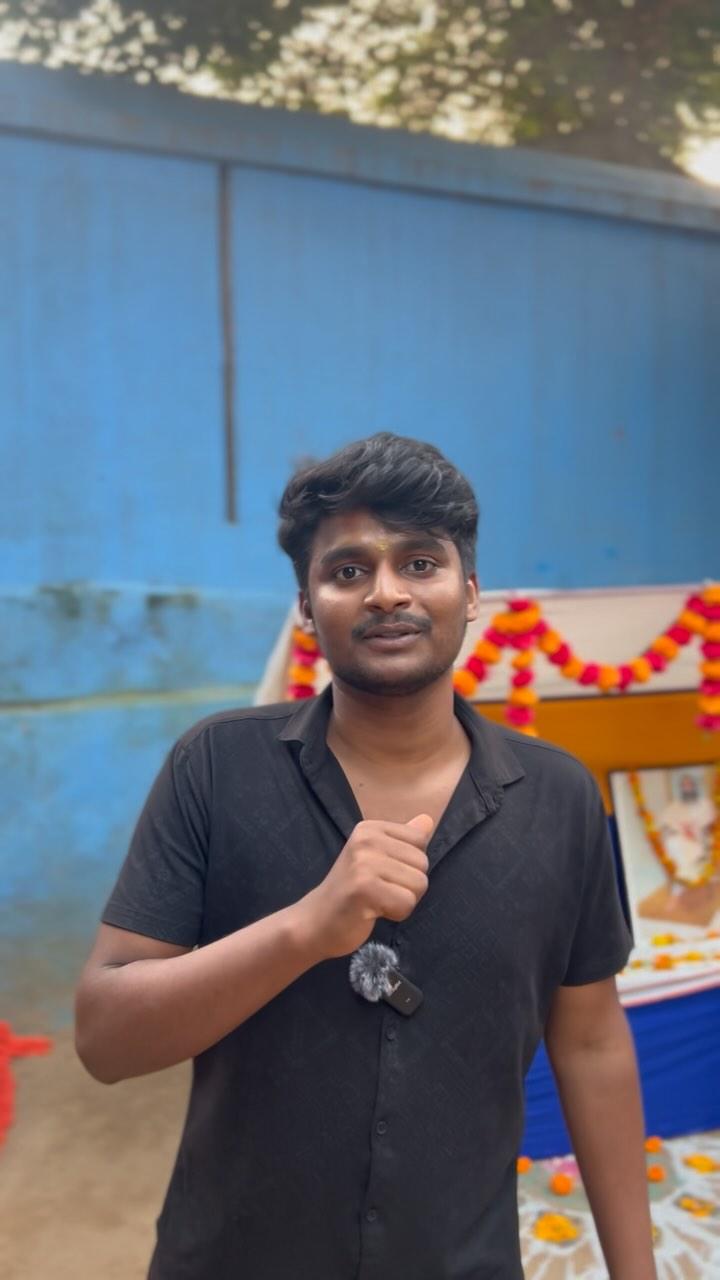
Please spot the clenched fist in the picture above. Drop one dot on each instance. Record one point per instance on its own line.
(381, 871)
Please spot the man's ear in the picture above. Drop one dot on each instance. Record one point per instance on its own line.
(473, 597)
(305, 612)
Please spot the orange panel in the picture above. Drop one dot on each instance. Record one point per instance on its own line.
(623, 732)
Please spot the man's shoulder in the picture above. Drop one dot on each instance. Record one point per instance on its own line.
(244, 724)
(542, 759)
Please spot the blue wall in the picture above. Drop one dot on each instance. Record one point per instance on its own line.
(552, 324)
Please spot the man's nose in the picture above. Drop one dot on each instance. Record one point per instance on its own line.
(387, 590)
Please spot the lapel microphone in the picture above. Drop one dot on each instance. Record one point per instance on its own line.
(375, 976)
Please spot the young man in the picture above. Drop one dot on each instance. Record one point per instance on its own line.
(330, 1136)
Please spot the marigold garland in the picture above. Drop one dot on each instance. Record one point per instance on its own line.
(657, 844)
(522, 627)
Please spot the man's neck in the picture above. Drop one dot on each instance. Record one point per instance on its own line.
(391, 731)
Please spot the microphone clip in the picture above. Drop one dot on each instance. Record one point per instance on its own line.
(374, 975)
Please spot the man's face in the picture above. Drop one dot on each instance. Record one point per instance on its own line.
(389, 608)
(688, 788)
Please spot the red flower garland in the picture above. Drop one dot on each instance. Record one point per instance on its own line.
(522, 627)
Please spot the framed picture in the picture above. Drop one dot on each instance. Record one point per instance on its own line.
(669, 832)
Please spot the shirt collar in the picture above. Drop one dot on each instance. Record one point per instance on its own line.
(493, 763)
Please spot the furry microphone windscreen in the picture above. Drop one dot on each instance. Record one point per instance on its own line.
(370, 970)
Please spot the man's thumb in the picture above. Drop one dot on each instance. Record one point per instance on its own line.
(423, 822)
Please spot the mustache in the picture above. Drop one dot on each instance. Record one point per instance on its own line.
(360, 631)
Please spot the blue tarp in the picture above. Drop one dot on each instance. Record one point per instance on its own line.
(678, 1048)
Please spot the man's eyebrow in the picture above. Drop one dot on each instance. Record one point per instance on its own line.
(348, 552)
(419, 541)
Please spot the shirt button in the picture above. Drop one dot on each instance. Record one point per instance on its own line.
(381, 1126)
(391, 1033)
(371, 1215)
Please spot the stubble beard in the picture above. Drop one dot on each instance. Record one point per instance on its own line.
(390, 685)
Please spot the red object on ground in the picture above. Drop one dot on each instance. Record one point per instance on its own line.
(12, 1046)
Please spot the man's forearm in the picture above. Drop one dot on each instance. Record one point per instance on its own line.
(600, 1094)
(139, 1017)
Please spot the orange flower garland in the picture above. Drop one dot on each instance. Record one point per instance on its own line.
(523, 628)
(304, 656)
(656, 842)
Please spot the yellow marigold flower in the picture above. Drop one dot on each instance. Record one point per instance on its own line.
(698, 1208)
(692, 621)
(301, 675)
(526, 657)
(641, 669)
(555, 1228)
(523, 620)
(304, 641)
(502, 622)
(701, 1163)
(609, 677)
(487, 651)
(561, 1184)
(523, 697)
(666, 646)
(692, 956)
(550, 641)
(573, 668)
(663, 939)
(464, 682)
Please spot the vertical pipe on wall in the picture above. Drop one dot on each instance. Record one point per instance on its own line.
(225, 265)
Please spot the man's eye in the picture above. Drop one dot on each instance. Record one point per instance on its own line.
(347, 573)
(421, 564)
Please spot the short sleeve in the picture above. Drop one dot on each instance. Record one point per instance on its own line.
(161, 887)
(602, 941)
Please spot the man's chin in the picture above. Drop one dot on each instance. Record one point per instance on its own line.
(389, 684)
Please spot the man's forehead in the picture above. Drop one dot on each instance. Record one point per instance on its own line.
(367, 528)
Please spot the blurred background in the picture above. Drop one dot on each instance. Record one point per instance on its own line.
(232, 236)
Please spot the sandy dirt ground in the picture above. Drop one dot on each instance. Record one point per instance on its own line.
(84, 1168)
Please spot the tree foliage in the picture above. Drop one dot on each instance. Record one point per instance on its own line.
(622, 80)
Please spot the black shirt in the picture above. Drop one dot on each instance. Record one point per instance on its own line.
(327, 1137)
